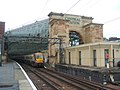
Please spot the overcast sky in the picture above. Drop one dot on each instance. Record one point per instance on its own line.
(16, 13)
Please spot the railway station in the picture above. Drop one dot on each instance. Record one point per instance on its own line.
(71, 44)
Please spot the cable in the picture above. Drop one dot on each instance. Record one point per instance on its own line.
(109, 21)
(91, 5)
(44, 7)
(85, 4)
(37, 19)
(73, 6)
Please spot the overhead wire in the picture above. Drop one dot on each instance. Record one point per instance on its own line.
(72, 6)
(37, 19)
(44, 7)
(109, 21)
(86, 4)
(92, 5)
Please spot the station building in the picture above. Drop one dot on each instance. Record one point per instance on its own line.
(82, 42)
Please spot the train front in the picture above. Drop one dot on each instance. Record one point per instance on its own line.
(39, 59)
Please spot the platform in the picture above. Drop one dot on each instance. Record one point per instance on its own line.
(12, 77)
(96, 74)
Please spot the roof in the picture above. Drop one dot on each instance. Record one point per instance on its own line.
(92, 24)
(94, 44)
(62, 14)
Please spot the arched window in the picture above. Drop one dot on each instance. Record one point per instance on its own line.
(75, 39)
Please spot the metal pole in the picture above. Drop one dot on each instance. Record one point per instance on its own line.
(60, 48)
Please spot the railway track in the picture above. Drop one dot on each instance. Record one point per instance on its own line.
(68, 79)
(47, 79)
(87, 83)
(39, 82)
(53, 82)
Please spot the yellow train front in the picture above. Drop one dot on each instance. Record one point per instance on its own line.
(35, 60)
(39, 59)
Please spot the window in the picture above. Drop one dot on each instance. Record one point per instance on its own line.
(106, 56)
(113, 58)
(69, 58)
(79, 57)
(94, 58)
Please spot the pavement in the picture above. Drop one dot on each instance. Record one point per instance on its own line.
(13, 77)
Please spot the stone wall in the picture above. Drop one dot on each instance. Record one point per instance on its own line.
(93, 33)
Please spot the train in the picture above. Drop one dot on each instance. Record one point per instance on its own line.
(35, 59)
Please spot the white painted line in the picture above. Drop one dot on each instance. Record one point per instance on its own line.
(31, 83)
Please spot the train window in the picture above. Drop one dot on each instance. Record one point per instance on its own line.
(39, 56)
(31, 58)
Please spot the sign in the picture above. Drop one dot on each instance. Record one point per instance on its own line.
(73, 20)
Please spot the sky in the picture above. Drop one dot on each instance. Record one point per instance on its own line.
(16, 13)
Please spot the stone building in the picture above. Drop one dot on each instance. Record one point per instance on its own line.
(72, 30)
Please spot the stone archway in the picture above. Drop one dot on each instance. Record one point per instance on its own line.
(75, 38)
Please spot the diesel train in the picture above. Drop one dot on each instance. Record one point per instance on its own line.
(35, 59)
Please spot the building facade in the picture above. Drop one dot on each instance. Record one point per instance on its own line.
(94, 54)
(72, 30)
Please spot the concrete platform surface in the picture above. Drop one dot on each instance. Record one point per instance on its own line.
(13, 77)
